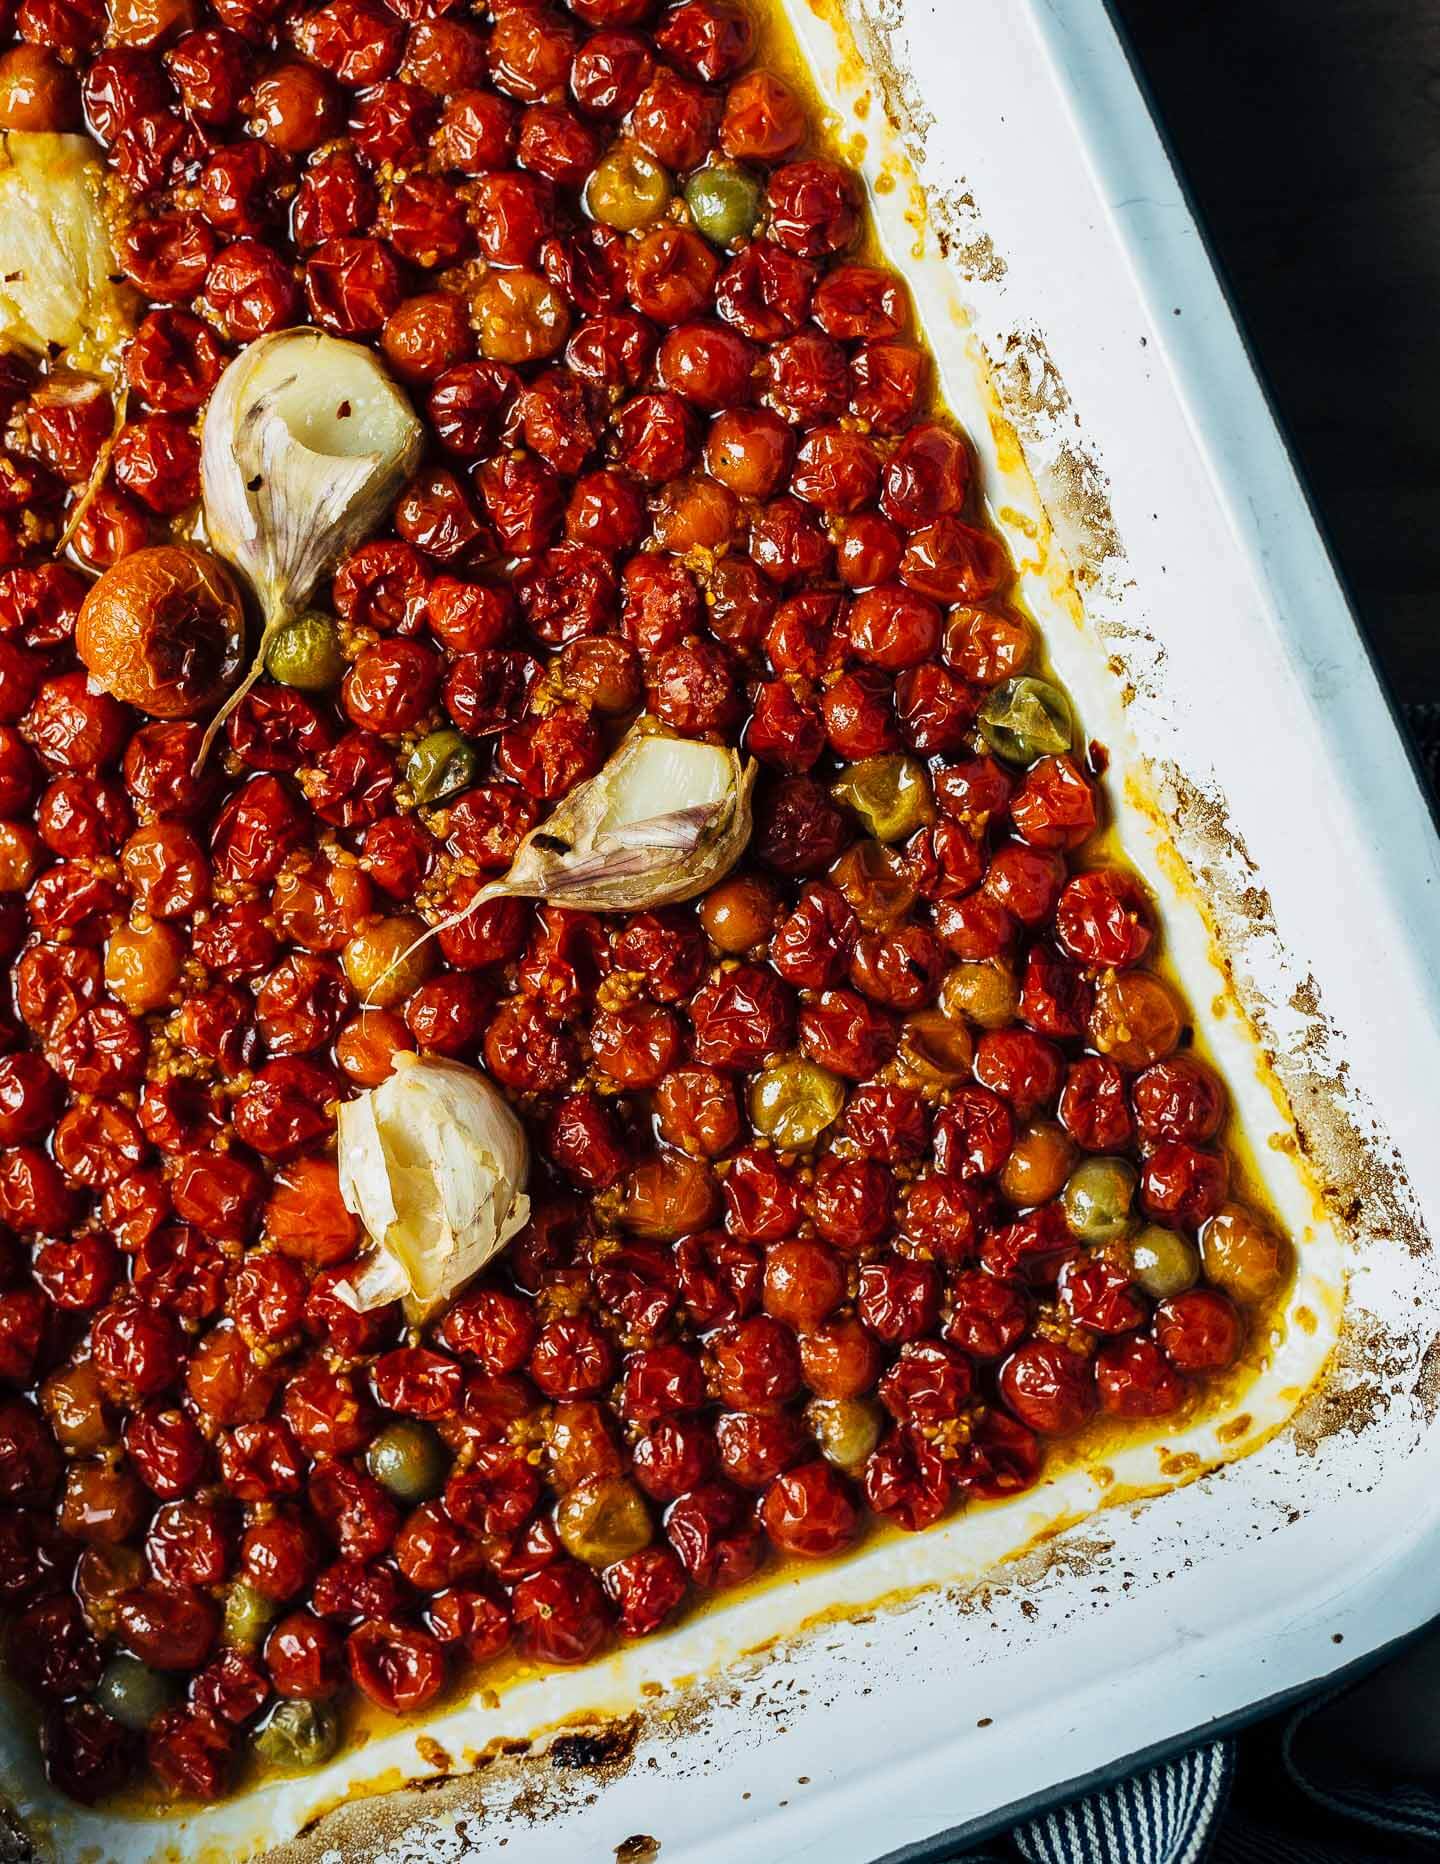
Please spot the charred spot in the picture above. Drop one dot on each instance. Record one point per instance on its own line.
(601, 1747)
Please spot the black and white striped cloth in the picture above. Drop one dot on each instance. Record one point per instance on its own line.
(1166, 1815)
(1181, 1812)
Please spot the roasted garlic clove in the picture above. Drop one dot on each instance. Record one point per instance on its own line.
(60, 288)
(663, 821)
(434, 1163)
(305, 444)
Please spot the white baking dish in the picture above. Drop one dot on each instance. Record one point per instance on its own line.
(1217, 659)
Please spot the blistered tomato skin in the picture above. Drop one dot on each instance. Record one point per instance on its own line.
(1049, 1387)
(856, 1181)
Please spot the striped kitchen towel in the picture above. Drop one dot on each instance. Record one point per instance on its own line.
(1166, 1815)
(1182, 1812)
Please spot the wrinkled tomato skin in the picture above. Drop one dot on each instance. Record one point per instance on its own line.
(561, 1614)
(715, 1535)
(399, 1668)
(1099, 1296)
(1048, 1387)
(1178, 1099)
(1199, 1331)
(1003, 1458)
(974, 1134)
(987, 1316)
(1133, 1379)
(1094, 1108)
(905, 1481)
(1182, 1183)
(810, 1512)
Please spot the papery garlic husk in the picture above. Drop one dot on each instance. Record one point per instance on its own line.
(433, 1162)
(306, 442)
(60, 285)
(663, 821)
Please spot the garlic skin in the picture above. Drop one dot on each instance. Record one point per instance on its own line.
(58, 281)
(305, 444)
(433, 1162)
(663, 821)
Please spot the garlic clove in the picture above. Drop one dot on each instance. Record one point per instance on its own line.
(364, 1169)
(433, 1162)
(662, 821)
(306, 442)
(60, 287)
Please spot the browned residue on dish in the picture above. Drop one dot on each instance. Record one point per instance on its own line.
(502, 1787)
(1036, 402)
(1369, 1362)
(1427, 1385)
(1075, 1556)
(1070, 479)
(610, 1746)
(1357, 1173)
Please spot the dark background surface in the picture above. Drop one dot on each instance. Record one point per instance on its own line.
(1309, 132)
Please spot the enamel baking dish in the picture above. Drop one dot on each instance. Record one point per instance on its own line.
(935, 1684)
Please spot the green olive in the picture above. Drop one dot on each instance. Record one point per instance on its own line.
(891, 795)
(792, 1102)
(603, 1519)
(847, 1429)
(306, 653)
(298, 1734)
(985, 991)
(1025, 719)
(1242, 1255)
(1097, 1199)
(132, 1692)
(247, 1615)
(627, 190)
(1163, 1262)
(724, 202)
(409, 1460)
(441, 765)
